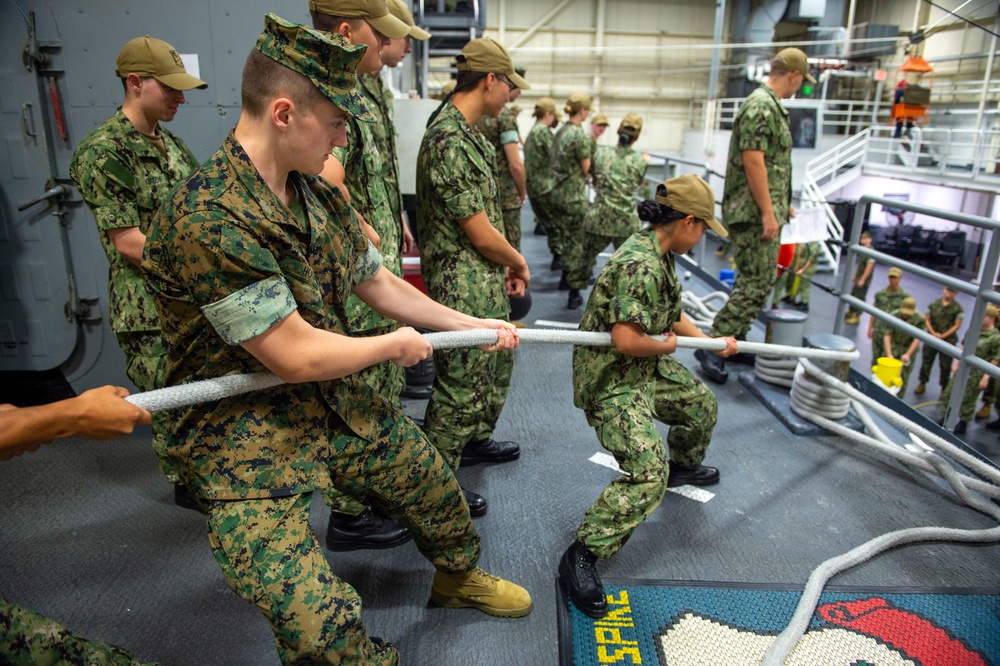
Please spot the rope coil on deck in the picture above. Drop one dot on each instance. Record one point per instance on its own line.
(218, 388)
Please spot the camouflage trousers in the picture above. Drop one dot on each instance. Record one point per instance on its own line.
(270, 556)
(470, 389)
(580, 268)
(906, 370)
(28, 639)
(944, 367)
(512, 226)
(968, 398)
(146, 366)
(572, 218)
(541, 205)
(756, 271)
(388, 380)
(786, 283)
(860, 293)
(684, 403)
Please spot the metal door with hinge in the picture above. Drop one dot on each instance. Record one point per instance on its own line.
(41, 303)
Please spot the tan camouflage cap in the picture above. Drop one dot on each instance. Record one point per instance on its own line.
(631, 125)
(577, 101)
(599, 119)
(895, 271)
(547, 104)
(147, 56)
(488, 55)
(691, 195)
(374, 11)
(908, 306)
(796, 60)
(326, 59)
(992, 311)
(399, 9)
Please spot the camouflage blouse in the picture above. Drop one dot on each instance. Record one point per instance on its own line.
(538, 160)
(455, 181)
(124, 178)
(618, 172)
(761, 124)
(943, 317)
(638, 285)
(501, 131)
(377, 93)
(226, 260)
(570, 147)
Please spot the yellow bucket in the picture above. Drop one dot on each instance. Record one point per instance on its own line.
(888, 371)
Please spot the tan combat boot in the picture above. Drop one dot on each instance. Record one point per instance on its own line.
(920, 389)
(482, 591)
(984, 413)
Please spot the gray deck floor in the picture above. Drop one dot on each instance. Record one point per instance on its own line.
(90, 536)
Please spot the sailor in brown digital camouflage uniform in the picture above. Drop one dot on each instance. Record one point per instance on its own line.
(251, 262)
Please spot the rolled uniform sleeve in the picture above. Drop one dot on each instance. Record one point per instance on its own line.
(251, 311)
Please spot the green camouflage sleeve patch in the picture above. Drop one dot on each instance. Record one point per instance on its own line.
(251, 311)
(368, 265)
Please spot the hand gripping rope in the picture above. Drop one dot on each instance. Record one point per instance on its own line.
(222, 387)
(817, 388)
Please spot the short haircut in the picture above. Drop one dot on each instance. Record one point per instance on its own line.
(540, 113)
(326, 23)
(264, 79)
(778, 66)
(125, 82)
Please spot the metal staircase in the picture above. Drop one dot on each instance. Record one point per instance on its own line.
(955, 158)
(452, 24)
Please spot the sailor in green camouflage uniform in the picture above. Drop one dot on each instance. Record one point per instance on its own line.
(539, 175)
(465, 260)
(988, 349)
(797, 282)
(899, 344)
(124, 169)
(367, 168)
(625, 388)
(571, 154)
(756, 200)
(598, 125)
(943, 319)
(618, 172)
(886, 300)
(861, 280)
(502, 134)
(251, 269)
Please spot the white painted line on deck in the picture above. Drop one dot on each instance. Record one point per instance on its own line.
(557, 324)
(691, 492)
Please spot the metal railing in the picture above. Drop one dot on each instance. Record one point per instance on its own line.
(984, 293)
(662, 167)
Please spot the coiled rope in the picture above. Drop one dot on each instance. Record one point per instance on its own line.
(218, 388)
(930, 462)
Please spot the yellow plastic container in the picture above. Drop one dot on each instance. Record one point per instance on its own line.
(888, 371)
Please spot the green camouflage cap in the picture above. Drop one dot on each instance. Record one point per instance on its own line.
(326, 59)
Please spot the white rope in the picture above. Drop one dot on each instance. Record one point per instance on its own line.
(221, 387)
(785, 643)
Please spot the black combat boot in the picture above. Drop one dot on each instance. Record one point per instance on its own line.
(578, 571)
(712, 366)
(489, 451)
(369, 530)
